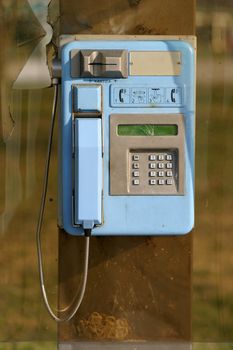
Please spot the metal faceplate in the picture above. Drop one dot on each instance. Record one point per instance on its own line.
(150, 164)
(144, 183)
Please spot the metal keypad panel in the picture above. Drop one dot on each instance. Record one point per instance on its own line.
(153, 172)
(147, 165)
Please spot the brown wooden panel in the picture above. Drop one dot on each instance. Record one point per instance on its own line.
(139, 288)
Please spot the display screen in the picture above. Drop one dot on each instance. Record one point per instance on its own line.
(147, 130)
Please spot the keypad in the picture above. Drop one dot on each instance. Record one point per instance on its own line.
(153, 172)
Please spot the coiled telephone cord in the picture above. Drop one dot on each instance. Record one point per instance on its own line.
(68, 317)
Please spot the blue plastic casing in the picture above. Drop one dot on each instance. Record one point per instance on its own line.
(126, 215)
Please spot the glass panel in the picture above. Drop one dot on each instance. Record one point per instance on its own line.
(165, 275)
(213, 244)
(24, 125)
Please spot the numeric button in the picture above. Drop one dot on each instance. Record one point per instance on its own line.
(152, 157)
(161, 173)
(160, 165)
(136, 173)
(160, 157)
(136, 157)
(136, 182)
(152, 182)
(169, 165)
(161, 182)
(152, 165)
(152, 173)
(135, 165)
(169, 182)
(169, 157)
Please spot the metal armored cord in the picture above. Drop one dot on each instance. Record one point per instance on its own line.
(39, 227)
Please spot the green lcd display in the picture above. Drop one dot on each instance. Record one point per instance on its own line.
(147, 130)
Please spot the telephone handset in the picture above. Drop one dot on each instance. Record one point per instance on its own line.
(127, 131)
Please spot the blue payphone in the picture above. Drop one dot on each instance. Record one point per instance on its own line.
(127, 136)
(127, 140)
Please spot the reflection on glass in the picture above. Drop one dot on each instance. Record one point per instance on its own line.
(213, 245)
(24, 124)
(24, 132)
(23, 316)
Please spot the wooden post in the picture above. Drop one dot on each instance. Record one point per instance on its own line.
(139, 288)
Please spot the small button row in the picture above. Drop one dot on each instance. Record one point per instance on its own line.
(161, 182)
(155, 182)
(136, 157)
(153, 173)
(153, 165)
(160, 157)
(161, 173)
(159, 165)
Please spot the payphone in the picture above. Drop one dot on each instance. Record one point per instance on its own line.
(127, 137)
(127, 128)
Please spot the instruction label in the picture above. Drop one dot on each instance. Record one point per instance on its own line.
(146, 96)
